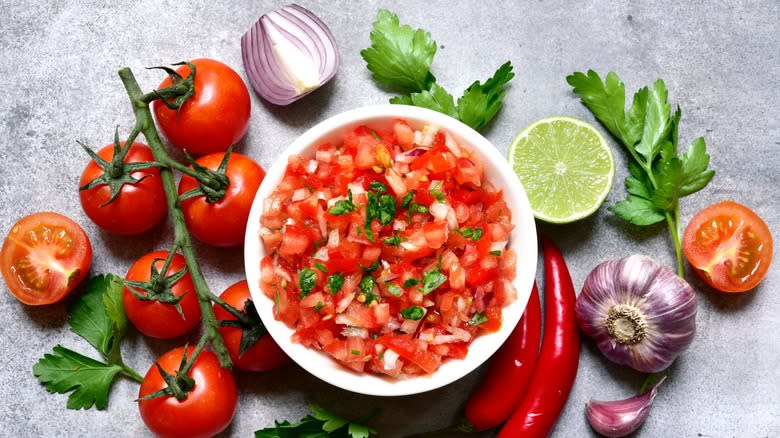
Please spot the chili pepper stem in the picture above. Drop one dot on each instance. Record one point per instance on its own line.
(145, 124)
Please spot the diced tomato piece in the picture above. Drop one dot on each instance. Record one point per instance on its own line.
(479, 276)
(295, 240)
(441, 162)
(467, 173)
(436, 233)
(494, 319)
(411, 350)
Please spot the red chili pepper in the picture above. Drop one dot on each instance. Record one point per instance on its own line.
(509, 372)
(556, 369)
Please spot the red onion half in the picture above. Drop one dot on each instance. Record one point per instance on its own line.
(640, 313)
(288, 53)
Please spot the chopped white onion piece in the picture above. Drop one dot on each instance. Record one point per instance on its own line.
(439, 210)
(300, 195)
(354, 331)
(452, 145)
(333, 238)
(321, 254)
(410, 325)
(344, 302)
(498, 246)
(390, 358)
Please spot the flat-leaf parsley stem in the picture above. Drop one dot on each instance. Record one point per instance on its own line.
(182, 239)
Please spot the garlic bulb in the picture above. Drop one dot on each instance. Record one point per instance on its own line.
(621, 417)
(640, 313)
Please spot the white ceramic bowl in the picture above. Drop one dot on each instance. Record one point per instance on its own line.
(523, 241)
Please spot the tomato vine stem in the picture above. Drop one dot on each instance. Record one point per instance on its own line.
(145, 124)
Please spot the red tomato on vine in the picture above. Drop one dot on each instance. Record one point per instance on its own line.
(137, 208)
(223, 222)
(262, 355)
(155, 318)
(215, 117)
(208, 407)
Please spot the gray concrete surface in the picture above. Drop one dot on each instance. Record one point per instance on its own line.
(721, 61)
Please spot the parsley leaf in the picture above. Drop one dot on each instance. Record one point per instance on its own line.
(335, 282)
(307, 279)
(406, 201)
(478, 318)
(437, 99)
(400, 57)
(435, 191)
(413, 312)
(480, 103)
(659, 177)
(394, 240)
(380, 207)
(321, 423)
(366, 287)
(474, 233)
(605, 100)
(431, 280)
(411, 282)
(97, 316)
(394, 289)
(343, 206)
(64, 370)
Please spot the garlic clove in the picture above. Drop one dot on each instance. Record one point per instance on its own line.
(619, 418)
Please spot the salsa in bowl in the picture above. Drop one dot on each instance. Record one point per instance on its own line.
(390, 250)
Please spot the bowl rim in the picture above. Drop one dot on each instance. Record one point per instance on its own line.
(320, 364)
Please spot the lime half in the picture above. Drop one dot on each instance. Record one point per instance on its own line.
(565, 166)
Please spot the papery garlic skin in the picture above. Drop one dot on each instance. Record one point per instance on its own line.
(640, 313)
(621, 417)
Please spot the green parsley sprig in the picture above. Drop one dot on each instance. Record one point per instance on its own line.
(659, 177)
(400, 58)
(97, 315)
(319, 424)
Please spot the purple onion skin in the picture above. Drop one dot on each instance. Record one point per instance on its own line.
(654, 296)
(265, 71)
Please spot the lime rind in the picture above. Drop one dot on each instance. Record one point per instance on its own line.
(566, 167)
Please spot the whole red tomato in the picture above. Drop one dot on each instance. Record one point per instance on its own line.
(208, 408)
(265, 354)
(154, 318)
(223, 223)
(45, 256)
(214, 117)
(137, 208)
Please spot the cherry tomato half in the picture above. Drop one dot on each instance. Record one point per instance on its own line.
(223, 223)
(729, 246)
(154, 318)
(44, 257)
(265, 354)
(215, 117)
(208, 408)
(137, 208)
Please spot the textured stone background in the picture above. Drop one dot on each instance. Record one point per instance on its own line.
(721, 61)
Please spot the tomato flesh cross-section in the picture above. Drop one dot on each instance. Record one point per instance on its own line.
(44, 257)
(729, 246)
